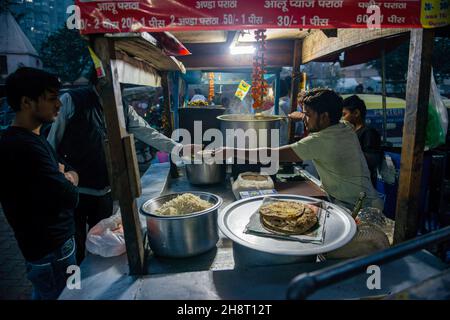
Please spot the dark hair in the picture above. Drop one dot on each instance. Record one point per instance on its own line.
(29, 82)
(353, 103)
(321, 101)
(197, 91)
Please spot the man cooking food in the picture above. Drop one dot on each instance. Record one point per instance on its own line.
(332, 146)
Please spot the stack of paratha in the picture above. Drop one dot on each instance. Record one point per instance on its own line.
(288, 217)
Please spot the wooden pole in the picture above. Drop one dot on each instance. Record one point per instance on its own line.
(296, 75)
(122, 171)
(414, 129)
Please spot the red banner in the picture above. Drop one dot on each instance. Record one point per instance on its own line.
(182, 15)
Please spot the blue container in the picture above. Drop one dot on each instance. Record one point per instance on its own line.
(390, 190)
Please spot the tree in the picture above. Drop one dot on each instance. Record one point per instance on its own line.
(65, 54)
(397, 62)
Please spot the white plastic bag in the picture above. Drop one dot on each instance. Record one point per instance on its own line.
(106, 238)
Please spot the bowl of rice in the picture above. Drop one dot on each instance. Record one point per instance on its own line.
(182, 224)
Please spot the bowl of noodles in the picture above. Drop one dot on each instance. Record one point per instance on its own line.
(182, 224)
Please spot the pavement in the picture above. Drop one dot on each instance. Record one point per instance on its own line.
(14, 284)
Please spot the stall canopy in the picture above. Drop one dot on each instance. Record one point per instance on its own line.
(188, 15)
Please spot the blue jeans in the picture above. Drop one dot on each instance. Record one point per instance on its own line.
(48, 275)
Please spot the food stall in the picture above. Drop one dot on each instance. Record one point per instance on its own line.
(240, 265)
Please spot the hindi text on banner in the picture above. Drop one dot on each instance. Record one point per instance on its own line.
(331, 3)
(276, 4)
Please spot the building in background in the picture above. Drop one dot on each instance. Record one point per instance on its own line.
(40, 18)
(15, 48)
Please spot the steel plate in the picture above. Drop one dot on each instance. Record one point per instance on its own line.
(339, 228)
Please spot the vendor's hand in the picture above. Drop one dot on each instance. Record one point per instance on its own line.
(190, 150)
(61, 167)
(222, 154)
(72, 176)
(297, 116)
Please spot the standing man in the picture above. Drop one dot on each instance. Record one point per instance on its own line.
(332, 146)
(37, 192)
(78, 136)
(354, 111)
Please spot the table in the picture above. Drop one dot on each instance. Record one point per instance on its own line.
(214, 275)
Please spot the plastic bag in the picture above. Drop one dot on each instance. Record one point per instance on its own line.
(437, 123)
(106, 238)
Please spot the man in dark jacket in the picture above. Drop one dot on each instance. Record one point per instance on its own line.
(38, 193)
(354, 111)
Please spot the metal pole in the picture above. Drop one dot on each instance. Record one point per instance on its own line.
(277, 94)
(383, 92)
(305, 284)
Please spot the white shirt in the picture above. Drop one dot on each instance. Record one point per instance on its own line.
(136, 125)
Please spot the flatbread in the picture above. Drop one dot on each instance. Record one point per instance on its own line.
(288, 217)
(282, 209)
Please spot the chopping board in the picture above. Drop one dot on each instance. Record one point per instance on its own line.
(304, 188)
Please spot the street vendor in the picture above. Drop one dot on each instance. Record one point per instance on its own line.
(332, 146)
(78, 135)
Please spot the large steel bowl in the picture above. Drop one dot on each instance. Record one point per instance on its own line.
(184, 235)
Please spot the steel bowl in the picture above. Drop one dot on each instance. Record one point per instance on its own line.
(262, 126)
(185, 235)
(204, 173)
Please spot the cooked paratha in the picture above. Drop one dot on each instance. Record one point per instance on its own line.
(288, 217)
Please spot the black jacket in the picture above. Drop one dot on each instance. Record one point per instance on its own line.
(82, 144)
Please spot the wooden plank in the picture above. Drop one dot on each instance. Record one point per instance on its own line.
(414, 129)
(111, 99)
(143, 47)
(318, 45)
(296, 75)
(132, 165)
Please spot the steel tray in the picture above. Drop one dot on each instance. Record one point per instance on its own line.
(339, 228)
